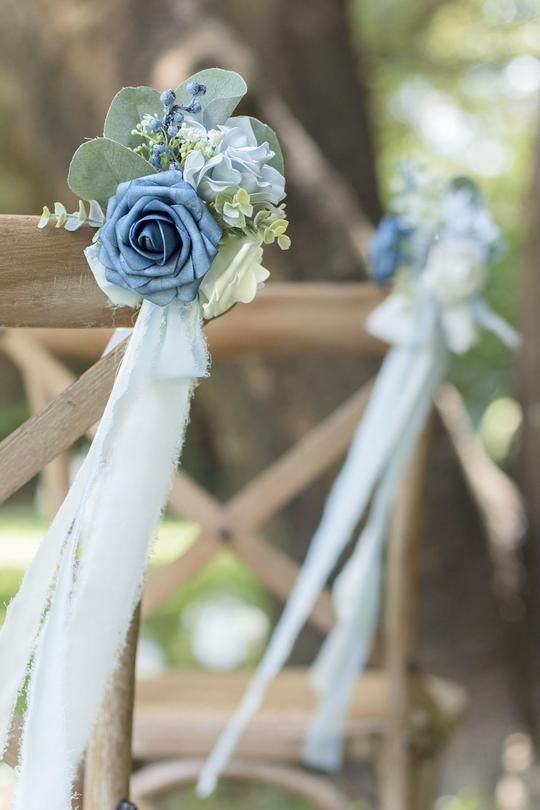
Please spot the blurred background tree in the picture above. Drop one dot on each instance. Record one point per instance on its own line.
(454, 82)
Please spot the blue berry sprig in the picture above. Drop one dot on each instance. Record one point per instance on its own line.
(161, 131)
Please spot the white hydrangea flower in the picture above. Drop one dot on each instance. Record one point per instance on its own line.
(455, 271)
(235, 276)
(238, 162)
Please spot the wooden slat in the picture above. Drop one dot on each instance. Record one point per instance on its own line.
(284, 319)
(181, 713)
(500, 503)
(260, 499)
(46, 282)
(274, 567)
(283, 480)
(301, 318)
(55, 475)
(400, 624)
(108, 758)
(29, 448)
(45, 279)
(279, 573)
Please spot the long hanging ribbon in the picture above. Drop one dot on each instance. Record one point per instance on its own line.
(357, 592)
(90, 564)
(404, 374)
(422, 330)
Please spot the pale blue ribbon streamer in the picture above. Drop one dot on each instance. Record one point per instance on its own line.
(404, 373)
(91, 562)
(358, 588)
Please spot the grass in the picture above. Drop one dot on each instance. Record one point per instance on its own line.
(235, 797)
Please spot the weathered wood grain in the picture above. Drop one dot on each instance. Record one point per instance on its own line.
(29, 448)
(398, 788)
(108, 758)
(46, 282)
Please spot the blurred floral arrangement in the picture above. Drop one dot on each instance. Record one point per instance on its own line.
(191, 195)
(434, 247)
(438, 241)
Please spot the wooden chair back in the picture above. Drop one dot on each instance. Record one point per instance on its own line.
(46, 284)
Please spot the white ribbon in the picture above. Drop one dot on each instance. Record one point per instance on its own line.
(357, 590)
(404, 373)
(90, 564)
(422, 328)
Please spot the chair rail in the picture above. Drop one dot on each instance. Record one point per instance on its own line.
(46, 282)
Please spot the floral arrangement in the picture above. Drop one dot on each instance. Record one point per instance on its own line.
(438, 240)
(191, 195)
(183, 196)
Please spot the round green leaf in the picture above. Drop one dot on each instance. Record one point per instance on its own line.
(224, 89)
(98, 166)
(127, 110)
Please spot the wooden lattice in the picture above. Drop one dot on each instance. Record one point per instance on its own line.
(45, 284)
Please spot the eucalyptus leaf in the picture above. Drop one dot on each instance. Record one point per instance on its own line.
(224, 89)
(465, 185)
(127, 110)
(98, 166)
(95, 214)
(73, 222)
(265, 133)
(60, 214)
(44, 218)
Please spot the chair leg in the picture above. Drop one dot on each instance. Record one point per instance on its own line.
(398, 763)
(108, 759)
(407, 778)
(395, 775)
(424, 781)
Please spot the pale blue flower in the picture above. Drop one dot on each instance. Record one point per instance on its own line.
(239, 162)
(159, 239)
(387, 249)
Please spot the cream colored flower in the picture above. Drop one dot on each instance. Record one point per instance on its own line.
(234, 276)
(455, 271)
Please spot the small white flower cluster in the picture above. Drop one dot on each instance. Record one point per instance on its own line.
(195, 138)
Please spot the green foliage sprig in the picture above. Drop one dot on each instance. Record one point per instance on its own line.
(92, 216)
(236, 212)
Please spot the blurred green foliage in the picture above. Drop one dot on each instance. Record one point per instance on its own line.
(455, 84)
(232, 796)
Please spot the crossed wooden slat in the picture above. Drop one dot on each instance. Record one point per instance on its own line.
(233, 525)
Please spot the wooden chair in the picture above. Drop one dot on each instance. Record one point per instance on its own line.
(399, 719)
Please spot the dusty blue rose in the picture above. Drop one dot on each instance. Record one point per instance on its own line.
(159, 239)
(386, 251)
